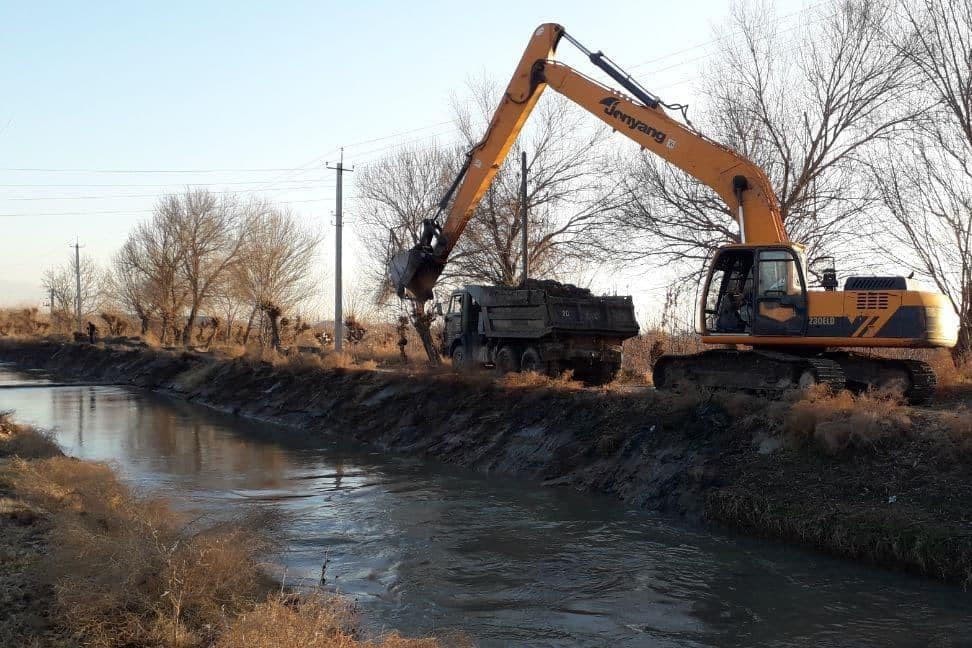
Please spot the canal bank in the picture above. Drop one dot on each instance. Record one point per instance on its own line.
(888, 486)
(425, 547)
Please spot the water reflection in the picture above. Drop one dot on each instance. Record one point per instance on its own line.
(424, 547)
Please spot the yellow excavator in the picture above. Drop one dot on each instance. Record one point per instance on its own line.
(756, 292)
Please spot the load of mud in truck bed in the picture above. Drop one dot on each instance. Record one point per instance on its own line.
(541, 326)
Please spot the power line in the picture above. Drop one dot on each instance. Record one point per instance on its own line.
(156, 195)
(366, 154)
(133, 212)
(169, 184)
(723, 37)
(407, 132)
(126, 171)
(370, 154)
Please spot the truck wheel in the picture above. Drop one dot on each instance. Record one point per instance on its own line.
(459, 360)
(506, 361)
(530, 361)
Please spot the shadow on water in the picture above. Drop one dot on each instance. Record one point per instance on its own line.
(424, 547)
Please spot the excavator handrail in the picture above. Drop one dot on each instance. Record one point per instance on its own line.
(731, 175)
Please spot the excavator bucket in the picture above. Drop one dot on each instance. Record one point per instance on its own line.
(414, 273)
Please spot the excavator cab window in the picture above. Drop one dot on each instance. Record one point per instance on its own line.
(781, 296)
(728, 306)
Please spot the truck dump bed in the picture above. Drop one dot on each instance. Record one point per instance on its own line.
(541, 308)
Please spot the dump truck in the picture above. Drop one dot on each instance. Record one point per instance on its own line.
(542, 326)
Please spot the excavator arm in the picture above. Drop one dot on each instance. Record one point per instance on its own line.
(741, 184)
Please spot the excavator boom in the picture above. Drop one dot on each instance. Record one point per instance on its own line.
(641, 118)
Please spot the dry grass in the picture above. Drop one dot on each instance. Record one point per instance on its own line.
(310, 621)
(195, 377)
(640, 353)
(833, 422)
(836, 422)
(25, 442)
(880, 536)
(533, 380)
(958, 424)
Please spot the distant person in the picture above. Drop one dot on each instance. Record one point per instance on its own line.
(92, 332)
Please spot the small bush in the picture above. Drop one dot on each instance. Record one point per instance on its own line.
(313, 620)
(336, 360)
(194, 377)
(25, 442)
(532, 379)
(838, 421)
(958, 424)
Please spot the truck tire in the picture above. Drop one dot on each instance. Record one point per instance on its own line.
(506, 361)
(459, 360)
(530, 361)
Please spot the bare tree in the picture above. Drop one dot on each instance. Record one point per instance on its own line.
(62, 283)
(276, 260)
(570, 191)
(925, 181)
(802, 103)
(130, 286)
(210, 232)
(398, 193)
(59, 284)
(155, 258)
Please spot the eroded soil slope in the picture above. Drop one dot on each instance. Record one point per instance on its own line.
(874, 481)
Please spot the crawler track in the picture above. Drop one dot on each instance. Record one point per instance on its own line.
(774, 372)
(914, 378)
(759, 371)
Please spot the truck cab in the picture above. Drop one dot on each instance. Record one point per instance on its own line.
(461, 339)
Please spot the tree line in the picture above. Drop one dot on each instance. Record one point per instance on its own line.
(203, 267)
(860, 114)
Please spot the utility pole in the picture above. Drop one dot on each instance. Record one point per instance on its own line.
(50, 302)
(523, 215)
(77, 283)
(338, 291)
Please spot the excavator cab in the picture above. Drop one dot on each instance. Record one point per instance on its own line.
(754, 290)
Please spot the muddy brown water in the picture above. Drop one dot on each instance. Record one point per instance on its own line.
(425, 548)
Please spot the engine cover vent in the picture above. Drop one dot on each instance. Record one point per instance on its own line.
(872, 301)
(876, 283)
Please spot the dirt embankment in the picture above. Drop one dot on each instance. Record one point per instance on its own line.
(866, 479)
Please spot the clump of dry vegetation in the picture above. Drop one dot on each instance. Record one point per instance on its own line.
(835, 423)
(958, 423)
(25, 442)
(533, 379)
(116, 569)
(310, 621)
(838, 421)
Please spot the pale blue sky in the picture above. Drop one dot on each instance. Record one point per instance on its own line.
(172, 86)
